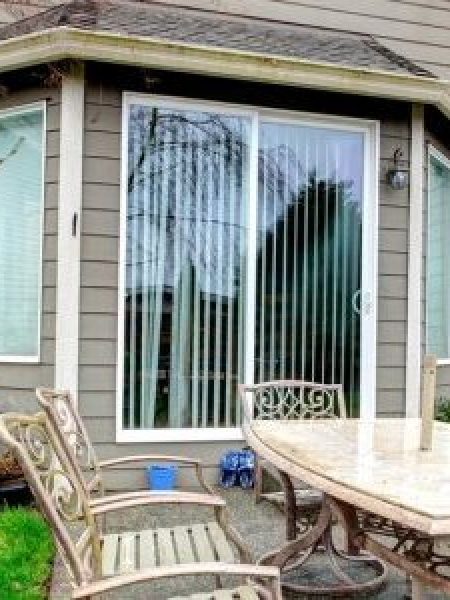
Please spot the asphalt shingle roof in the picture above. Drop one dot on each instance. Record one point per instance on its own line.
(150, 19)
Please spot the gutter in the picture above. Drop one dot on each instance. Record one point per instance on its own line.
(73, 43)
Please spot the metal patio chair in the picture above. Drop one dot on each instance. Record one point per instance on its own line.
(288, 400)
(87, 553)
(213, 540)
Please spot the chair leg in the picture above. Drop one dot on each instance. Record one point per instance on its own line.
(258, 483)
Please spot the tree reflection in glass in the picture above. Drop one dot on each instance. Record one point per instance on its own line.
(186, 258)
(186, 252)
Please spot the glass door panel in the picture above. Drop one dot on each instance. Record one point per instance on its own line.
(185, 284)
(310, 190)
(438, 265)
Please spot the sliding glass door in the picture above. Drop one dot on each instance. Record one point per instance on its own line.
(241, 261)
(310, 191)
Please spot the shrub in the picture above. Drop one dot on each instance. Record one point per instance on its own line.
(443, 410)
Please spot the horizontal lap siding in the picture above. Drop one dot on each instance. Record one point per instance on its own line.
(99, 280)
(18, 9)
(18, 381)
(393, 275)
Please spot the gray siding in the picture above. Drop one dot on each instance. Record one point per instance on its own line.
(18, 381)
(18, 9)
(99, 281)
(393, 273)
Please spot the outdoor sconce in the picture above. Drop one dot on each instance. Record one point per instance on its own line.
(397, 177)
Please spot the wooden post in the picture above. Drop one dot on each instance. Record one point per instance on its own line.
(428, 395)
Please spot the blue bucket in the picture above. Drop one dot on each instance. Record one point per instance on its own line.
(162, 477)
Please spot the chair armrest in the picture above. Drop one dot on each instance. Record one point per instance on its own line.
(125, 496)
(190, 462)
(107, 464)
(155, 498)
(154, 573)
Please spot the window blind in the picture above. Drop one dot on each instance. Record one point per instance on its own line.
(438, 266)
(21, 180)
(189, 266)
(185, 267)
(309, 256)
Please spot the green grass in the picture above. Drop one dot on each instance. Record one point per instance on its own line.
(26, 555)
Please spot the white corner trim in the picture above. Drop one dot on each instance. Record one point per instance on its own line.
(69, 204)
(414, 324)
(369, 281)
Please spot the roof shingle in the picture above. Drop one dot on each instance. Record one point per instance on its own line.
(199, 27)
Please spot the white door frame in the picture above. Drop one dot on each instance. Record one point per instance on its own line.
(370, 130)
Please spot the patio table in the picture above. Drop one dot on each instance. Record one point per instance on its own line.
(392, 498)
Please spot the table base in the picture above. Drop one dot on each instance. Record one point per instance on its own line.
(319, 539)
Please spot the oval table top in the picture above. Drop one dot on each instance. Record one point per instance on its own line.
(374, 465)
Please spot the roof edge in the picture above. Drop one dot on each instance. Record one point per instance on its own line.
(69, 42)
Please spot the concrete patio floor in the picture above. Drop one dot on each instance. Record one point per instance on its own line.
(262, 526)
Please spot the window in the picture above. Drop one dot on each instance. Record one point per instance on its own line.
(241, 261)
(21, 206)
(186, 241)
(438, 264)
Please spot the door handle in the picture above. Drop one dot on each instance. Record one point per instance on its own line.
(356, 296)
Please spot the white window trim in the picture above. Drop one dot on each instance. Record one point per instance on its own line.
(433, 152)
(371, 130)
(12, 112)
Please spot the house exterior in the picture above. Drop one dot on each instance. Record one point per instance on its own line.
(200, 194)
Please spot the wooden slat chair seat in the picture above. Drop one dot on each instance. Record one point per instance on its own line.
(289, 400)
(131, 551)
(68, 428)
(99, 564)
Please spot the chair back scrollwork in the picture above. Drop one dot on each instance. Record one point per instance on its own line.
(69, 428)
(292, 399)
(56, 490)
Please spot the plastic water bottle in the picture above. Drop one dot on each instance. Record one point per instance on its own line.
(246, 469)
(229, 467)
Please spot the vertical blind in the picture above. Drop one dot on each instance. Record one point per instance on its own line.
(185, 267)
(309, 256)
(186, 285)
(21, 150)
(438, 266)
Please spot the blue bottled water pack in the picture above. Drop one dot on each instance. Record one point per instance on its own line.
(246, 468)
(237, 467)
(228, 469)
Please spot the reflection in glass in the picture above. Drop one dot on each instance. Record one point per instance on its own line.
(309, 256)
(185, 267)
(186, 253)
(21, 165)
(438, 266)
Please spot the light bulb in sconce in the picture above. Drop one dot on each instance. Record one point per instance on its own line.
(397, 177)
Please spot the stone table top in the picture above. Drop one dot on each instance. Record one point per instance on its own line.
(374, 465)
